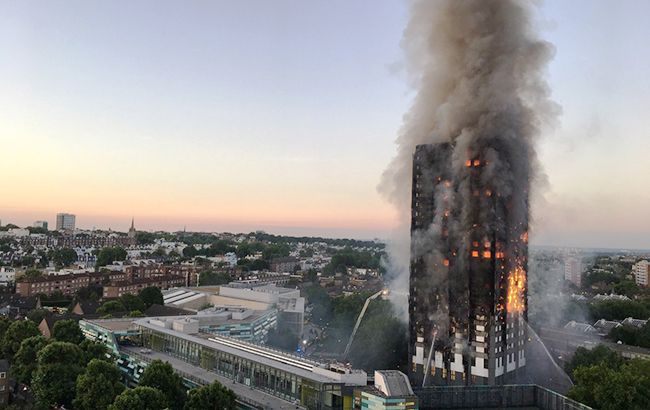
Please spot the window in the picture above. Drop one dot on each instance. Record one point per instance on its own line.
(3, 375)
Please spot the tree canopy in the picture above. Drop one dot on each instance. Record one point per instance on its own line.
(37, 315)
(213, 396)
(63, 257)
(632, 335)
(25, 360)
(67, 331)
(599, 355)
(110, 307)
(161, 375)
(98, 386)
(59, 365)
(348, 257)
(18, 331)
(140, 398)
(600, 386)
(32, 273)
(618, 310)
(151, 296)
(109, 255)
(93, 350)
(132, 302)
(4, 325)
(209, 278)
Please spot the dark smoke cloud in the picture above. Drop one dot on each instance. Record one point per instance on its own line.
(477, 68)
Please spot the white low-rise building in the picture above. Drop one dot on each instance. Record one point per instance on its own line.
(641, 270)
(7, 275)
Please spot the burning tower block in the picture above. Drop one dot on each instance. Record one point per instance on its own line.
(469, 256)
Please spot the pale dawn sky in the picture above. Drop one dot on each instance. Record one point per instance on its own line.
(281, 115)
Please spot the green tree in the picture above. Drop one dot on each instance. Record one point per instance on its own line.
(135, 313)
(110, 307)
(37, 315)
(32, 273)
(59, 365)
(161, 375)
(348, 257)
(209, 278)
(618, 310)
(93, 350)
(243, 250)
(145, 238)
(311, 275)
(109, 255)
(37, 230)
(347, 308)
(132, 302)
(67, 331)
(626, 287)
(25, 360)
(4, 325)
(15, 334)
(213, 396)
(151, 296)
(276, 251)
(140, 398)
(631, 335)
(27, 260)
(89, 293)
(643, 337)
(306, 253)
(64, 256)
(599, 355)
(221, 247)
(98, 386)
(258, 264)
(190, 251)
(602, 387)
(625, 334)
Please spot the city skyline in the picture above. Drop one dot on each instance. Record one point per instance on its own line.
(154, 121)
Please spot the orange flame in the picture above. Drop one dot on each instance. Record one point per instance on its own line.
(524, 237)
(516, 287)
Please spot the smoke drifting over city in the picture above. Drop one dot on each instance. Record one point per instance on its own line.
(477, 69)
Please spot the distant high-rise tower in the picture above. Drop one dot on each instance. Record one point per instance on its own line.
(40, 224)
(65, 222)
(132, 230)
(573, 269)
(469, 256)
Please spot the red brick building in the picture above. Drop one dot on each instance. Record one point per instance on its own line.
(134, 286)
(66, 284)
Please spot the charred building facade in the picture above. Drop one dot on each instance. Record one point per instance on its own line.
(469, 256)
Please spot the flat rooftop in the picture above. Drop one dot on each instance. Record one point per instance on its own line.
(116, 325)
(196, 373)
(396, 383)
(256, 353)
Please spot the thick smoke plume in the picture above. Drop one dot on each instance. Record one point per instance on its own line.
(477, 69)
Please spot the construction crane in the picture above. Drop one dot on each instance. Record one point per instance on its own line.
(356, 325)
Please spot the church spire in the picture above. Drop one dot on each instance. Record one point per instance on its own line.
(132, 230)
